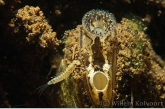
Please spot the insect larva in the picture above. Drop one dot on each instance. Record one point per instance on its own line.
(60, 77)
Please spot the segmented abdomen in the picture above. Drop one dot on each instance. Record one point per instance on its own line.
(66, 74)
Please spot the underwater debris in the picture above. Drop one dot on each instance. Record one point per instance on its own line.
(110, 65)
(157, 2)
(137, 60)
(4, 103)
(35, 24)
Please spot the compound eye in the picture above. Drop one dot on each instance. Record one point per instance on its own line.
(99, 22)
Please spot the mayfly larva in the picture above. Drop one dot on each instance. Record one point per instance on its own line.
(60, 77)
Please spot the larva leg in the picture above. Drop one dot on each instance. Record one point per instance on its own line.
(51, 69)
(60, 77)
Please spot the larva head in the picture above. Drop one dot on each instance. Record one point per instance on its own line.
(99, 22)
